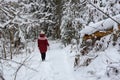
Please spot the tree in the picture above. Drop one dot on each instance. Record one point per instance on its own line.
(71, 23)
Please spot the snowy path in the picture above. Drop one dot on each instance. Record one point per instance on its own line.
(56, 66)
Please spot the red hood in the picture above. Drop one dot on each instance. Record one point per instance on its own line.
(42, 35)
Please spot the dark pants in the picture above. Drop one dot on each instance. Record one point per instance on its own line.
(43, 55)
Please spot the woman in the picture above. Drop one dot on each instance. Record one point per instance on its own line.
(42, 45)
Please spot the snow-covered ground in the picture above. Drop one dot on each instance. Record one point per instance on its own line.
(56, 66)
(59, 65)
(97, 70)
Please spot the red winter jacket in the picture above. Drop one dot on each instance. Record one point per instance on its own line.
(42, 43)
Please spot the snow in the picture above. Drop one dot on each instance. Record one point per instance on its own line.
(59, 64)
(97, 69)
(56, 66)
(100, 26)
(11, 0)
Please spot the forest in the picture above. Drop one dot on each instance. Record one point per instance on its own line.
(86, 29)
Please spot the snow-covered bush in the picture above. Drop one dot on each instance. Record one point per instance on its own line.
(113, 71)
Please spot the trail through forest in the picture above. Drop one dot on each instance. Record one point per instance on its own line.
(56, 66)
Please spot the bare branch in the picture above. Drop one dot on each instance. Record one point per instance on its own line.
(19, 68)
(103, 12)
(19, 63)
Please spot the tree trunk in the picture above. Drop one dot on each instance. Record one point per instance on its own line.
(11, 42)
(4, 50)
(58, 13)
